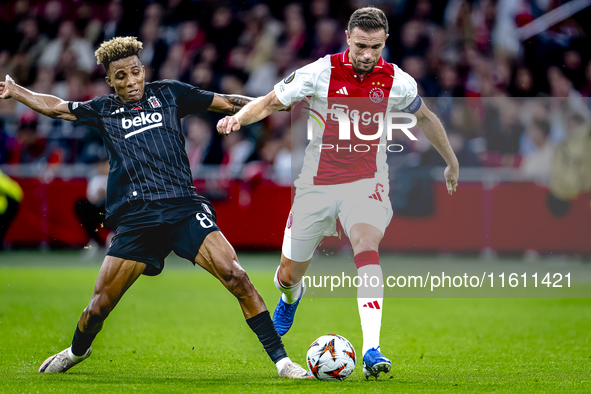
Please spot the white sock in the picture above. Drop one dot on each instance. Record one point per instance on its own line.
(73, 357)
(370, 300)
(290, 293)
(281, 363)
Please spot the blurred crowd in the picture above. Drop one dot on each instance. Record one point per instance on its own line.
(469, 49)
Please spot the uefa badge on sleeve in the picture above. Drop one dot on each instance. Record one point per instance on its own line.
(289, 78)
(154, 102)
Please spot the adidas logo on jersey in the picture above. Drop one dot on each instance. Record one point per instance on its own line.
(372, 305)
(376, 196)
(151, 120)
(118, 111)
(343, 90)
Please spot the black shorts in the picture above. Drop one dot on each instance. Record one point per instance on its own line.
(151, 242)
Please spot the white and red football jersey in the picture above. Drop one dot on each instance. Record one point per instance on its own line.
(332, 83)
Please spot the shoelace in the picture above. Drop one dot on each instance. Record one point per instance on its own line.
(284, 308)
(62, 362)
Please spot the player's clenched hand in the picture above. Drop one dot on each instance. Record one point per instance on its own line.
(451, 178)
(227, 125)
(6, 87)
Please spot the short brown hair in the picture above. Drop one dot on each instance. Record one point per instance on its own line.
(116, 49)
(368, 19)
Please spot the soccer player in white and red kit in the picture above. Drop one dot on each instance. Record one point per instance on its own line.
(346, 183)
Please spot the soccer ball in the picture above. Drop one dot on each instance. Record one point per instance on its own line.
(331, 357)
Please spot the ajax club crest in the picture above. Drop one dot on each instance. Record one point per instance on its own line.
(376, 95)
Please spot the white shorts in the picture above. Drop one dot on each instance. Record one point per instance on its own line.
(316, 208)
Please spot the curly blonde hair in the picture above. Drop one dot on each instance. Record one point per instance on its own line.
(116, 49)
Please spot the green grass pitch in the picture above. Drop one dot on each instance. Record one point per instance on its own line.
(182, 332)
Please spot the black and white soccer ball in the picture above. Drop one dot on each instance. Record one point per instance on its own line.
(331, 357)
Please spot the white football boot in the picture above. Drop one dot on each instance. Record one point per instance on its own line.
(294, 371)
(63, 361)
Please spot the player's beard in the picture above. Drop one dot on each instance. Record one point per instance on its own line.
(360, 71)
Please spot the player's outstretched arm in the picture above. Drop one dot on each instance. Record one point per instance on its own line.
(228, 104)
(433, 130)
(45, 104)
(254, 111)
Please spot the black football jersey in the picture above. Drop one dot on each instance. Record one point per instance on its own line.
(144, 142)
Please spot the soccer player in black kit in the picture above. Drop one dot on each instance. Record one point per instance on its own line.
(150, 195)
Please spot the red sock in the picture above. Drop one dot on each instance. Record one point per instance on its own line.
(366, 258)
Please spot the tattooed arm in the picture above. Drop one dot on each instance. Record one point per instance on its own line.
(228, 104)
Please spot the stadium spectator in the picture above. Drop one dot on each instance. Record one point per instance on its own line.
(28, 146)
(586, 88)
(261, 33)
(523, 83)
(223, 30)
(31, 42)
(571, 166)
(326, 39)
(171, 68)
(155, 49)
(68, 51)
(278, 154)
(261, 79)
(202, 75)
(88, 22)
(537, 165)
(573, 67)
(51, 18)
(415, 66)
(209, 55)
(449, 82)
(191, 39)
(560, 85)
(199, 140)
(413, 38)
(236, 60)
(295, 36)
(502, 132)
(114, 24)
(153, 13)
(237, 151)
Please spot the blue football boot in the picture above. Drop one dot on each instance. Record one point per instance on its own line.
(374, 362)
(284, 313)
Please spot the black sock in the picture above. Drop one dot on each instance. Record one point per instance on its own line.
(81, 342)
(262, 325)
